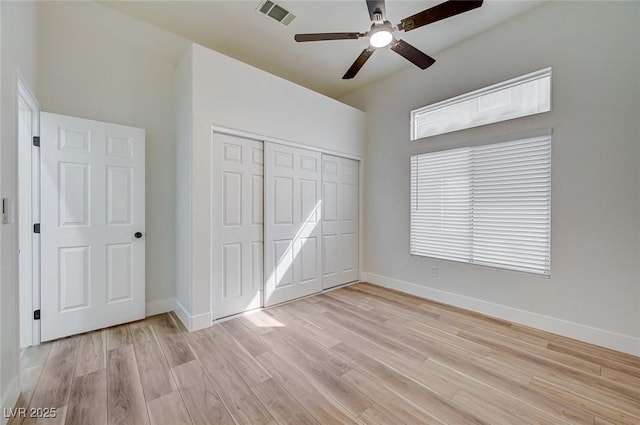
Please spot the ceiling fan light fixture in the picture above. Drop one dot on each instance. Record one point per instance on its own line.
(381, 38)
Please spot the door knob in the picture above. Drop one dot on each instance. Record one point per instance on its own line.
(138, 235)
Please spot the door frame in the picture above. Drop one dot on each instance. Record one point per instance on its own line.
(28, 213)
(265, 138)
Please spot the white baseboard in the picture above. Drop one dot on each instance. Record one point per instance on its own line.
(160, 306)
(9, 398)
(192, 323)
(615, 341)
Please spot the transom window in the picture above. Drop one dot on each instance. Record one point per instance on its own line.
(525, 95)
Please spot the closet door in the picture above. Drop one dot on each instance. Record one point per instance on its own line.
(292, 217)
(237, 225)
(339, 221)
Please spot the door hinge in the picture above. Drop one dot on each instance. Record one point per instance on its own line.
(36, 315)
(36, 140)
(36, 228)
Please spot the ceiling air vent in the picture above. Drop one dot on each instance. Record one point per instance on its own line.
(276, 12)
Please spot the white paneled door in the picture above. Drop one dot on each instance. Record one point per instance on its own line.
(339, 221)
(92, 225)
(237, 213)
(292, 223)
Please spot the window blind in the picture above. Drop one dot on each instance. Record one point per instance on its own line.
(488, 205)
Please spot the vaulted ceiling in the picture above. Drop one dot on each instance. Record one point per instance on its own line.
(237, 29)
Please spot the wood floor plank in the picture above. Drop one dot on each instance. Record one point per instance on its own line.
(437, 404)
(348, 334)
(595, 387)
(350, 298)
(505, 404)
(172, 342)
(155, 374)
(321, 371)
(370, 316)
(91, 353)
(616, 375)
(372, 332)
(324, 409)
(168, 410)
(437, 338)
(201, 399)
(260, 323)
(88, 399)
(284, 408)
(495, 377)
(581, 347)
(245, 337)
(419, 375)
(55, 380)
(407, 412)
(244, 363)
(391, 305)
(29, 378)
(125, 398)
(242, 404)
(299, 324)
(118, 336)
(611, 363)
(35, 355)
(376, 415)
(598, 408)
(476, 335)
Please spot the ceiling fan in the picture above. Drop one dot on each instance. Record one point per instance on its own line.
(381, 32)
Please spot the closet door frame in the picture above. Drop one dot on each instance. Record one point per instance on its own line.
(217, 129)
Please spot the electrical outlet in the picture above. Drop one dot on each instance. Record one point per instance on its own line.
(434, 271)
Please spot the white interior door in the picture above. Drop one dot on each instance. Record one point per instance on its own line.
(292, 223)
(237, 242)
(339, 221)
(92, 225)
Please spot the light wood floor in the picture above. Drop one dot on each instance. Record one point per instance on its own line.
(361, 354)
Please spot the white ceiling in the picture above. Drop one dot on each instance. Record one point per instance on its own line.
(236, 29)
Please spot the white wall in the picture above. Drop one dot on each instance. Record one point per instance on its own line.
(232, 94)
(18, 51)
(100, 64)
(184, 137)
(594, 290)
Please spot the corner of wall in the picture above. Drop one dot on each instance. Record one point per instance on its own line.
(192, 322)
(183, 112)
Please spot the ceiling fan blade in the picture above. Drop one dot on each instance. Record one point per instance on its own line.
(322, 36)
(377, 10)
(437, 13)
(413, 55)
(360, 61)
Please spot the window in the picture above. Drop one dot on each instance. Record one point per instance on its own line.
(526, 95)
(487, 205)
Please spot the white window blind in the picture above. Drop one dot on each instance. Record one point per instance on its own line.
(488, 205)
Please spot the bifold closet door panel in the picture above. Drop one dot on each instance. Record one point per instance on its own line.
(339, 221)
(237, 225)
(292, 223)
